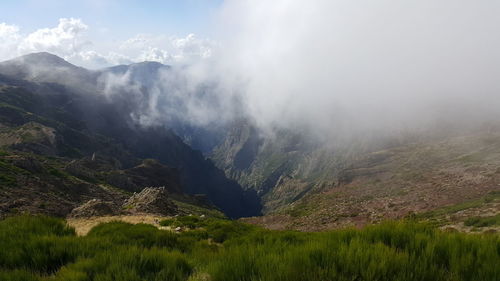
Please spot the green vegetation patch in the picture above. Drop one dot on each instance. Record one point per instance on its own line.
(186, 221)
(191, 208)
(490, 197)
(218, 230)
(41, 248)
(483, 221)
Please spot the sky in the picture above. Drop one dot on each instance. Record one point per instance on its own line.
(122, 19)
(106, 32)
(330, 65)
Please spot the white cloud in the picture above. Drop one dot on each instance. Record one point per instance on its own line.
(9, 38)
(66, 39)
(191, 48)
(155, 54)
(95, 60)
(168, 50)
(70, 40)
(9, 31)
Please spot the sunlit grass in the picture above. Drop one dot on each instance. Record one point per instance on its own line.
(42, 248)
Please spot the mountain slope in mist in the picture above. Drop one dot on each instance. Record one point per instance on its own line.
(446, 180)
(87, 110)
(146, 107)
(128, 96)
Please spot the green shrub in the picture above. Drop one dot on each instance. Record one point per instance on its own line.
(41, 248)
(28, 225)
(183, 221)
(129, 263)
(483, 221)
(143, 235)
(18, 275)
(39, 243)
(390, 251)
(221, 230)
(167, 222)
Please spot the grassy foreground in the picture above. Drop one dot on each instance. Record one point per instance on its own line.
(44, 248)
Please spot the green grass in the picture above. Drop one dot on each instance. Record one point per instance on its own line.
(490, 197)
(483, 221)
(7, 180)
(41, 248)
(192, 208)
(302, 209)
(186, 221)
(58, 173)
(6, 166)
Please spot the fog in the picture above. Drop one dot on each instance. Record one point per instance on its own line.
(344, 66)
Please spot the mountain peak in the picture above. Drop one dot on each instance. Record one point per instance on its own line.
(143, 67)
(149, 63)
(42, 58)
(47, 67)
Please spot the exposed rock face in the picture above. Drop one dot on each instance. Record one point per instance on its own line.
(94, 208)
(153, 200)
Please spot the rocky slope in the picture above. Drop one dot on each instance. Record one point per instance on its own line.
(48, 115)
(445, 180)
(282, 168)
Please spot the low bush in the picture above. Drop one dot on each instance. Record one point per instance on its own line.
(129, 263)
(182, 221)
(42, 249)
(144, 235)
(483, 221)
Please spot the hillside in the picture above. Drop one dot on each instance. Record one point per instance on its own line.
(446, 180)
(47, 119)
(296, 179)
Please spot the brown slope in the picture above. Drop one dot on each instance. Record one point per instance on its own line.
(399, 182)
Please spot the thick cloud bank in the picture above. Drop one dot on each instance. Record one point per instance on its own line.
(386, 64)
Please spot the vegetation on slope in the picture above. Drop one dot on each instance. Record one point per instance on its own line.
(455, 172)
(41, 120)
(43, 248)
(483, 221)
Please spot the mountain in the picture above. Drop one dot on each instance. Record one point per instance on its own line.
(144, 73)
(48, 68)
(78, 122)
(134, 112)
(281, 168)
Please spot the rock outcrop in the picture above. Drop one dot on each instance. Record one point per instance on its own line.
(94, 208)
(152, 200)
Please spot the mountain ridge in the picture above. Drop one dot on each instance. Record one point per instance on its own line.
(93, 113)
(281, 175)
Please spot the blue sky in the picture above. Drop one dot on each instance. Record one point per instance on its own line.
(122, 18)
